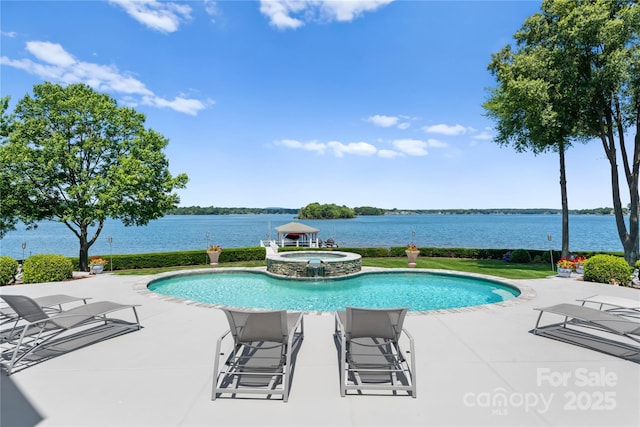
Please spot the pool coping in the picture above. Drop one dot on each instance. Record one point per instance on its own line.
(526, 293)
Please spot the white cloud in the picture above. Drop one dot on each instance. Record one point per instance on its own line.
(435, 143)
(179, 103)
(411, 147)
(10, 34)
(165, 17)
(52, 53)
(291, 143)
(388, 154)
(338, 148)
(55, 64)
(402, 147)
(483, 136)
(383, 121)
(345, 11)
(447, 129)
(388, 121)
(316, 146)
(211, 7)
(281, 12)
(356, 148)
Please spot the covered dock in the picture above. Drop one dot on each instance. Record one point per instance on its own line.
(297, 234)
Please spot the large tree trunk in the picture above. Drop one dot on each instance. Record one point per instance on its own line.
(631, 252)
(565, 203)
(83, 236)
(629, 239)
(84, 249)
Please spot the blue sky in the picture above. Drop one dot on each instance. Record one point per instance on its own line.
(284, 103)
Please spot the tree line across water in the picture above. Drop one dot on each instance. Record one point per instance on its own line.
(332, 211)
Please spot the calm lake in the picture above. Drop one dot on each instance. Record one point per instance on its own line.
(189, 232)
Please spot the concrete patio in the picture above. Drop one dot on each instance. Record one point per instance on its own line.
(477, 367)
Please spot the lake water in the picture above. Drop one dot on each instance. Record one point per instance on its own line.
(189, 232)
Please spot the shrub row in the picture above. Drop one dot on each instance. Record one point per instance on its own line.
(42, 268)
(8, 269)
(172, 259)
(608, 269)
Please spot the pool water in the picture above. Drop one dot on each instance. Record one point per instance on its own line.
(420, 291)
(312, 255)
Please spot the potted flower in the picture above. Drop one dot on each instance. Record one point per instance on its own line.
(214, 253)
(565, 267)
(578, 263)
(412, 252)
(97, 265)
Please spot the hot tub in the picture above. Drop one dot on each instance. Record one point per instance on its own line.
(314, 263)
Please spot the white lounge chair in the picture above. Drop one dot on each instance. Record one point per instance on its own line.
(40, 331)
(577, 318)
(260, 360)
(617, 305)
(370, 354)
(49, 303)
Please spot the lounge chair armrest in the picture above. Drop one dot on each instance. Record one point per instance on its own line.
(299, 322)
(292, 333)
(222, 337)
(339, 326)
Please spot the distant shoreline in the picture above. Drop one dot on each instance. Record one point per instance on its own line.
(211, 210)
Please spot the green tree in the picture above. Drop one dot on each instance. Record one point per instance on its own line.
(529, 107)
(604, 38)
(326, 211)
(368, 210)
(8, 205)
(74, 156)
(587, 85)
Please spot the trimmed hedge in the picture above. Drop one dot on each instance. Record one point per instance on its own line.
(608, 269)
(8, 269)
(257, 253)
(172, 259)
(521, 256)
(41, 268)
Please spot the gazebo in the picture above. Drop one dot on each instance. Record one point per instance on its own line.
(297, 234)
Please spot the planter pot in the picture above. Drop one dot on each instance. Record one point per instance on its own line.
(97, 269)
(564, 272)
(213, 257)
(580, 268)
(412, 256)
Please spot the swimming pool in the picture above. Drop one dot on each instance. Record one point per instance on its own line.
(419, 290)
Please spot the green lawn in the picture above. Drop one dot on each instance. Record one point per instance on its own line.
(489, 267)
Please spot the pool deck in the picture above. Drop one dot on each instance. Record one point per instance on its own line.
(475, 367)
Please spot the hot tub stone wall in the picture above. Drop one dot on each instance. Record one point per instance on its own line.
(299, 269)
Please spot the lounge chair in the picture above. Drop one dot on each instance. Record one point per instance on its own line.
(260, 360)
(49, 303)
(616, 305)
(370, 353)
(40, 331)
(577, 317)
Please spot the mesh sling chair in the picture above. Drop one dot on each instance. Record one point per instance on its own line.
(38, 330)
(577, 320)
(260, 359)
(616, 305)
(370, 354)
(49, 303)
